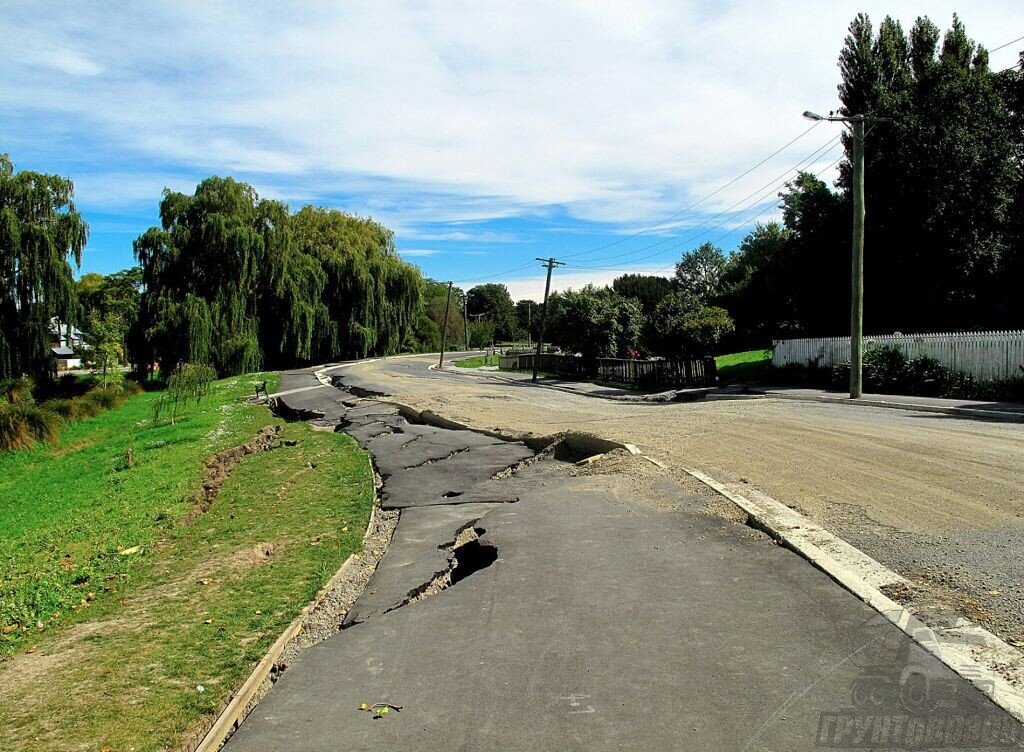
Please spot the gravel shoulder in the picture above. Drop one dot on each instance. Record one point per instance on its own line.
(937, 498)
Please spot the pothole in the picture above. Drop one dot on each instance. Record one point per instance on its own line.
(469, 554)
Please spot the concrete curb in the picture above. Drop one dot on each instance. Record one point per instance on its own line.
(242, 702)
(968, 649)
(1003, 415)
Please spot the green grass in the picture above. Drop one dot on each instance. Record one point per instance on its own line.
(478, 361)
(94, 635)
(743, 366)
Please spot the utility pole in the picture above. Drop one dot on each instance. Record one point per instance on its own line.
(857, 268)
(550, 263)
(856, 123)
(465, 318)
(444, 329)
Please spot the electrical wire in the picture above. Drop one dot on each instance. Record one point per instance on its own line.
(698, 202)
(679, 240)
(1012, 41)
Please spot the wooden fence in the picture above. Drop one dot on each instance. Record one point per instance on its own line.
(987, 356)
(645, 373)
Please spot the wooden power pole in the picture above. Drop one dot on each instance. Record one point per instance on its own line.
(857, 270)
(444, 329)
(550, 264)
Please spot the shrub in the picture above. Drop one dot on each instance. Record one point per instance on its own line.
(22, 425)
(85, 407)
(131, 388)
(17, 390)
(887, 370)
(107, 398)
(67, 409)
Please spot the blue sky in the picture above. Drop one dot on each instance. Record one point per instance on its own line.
(485, 134)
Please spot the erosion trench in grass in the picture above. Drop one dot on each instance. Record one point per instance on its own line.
(200, 603)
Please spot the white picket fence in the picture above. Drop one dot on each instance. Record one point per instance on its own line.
(987, 356)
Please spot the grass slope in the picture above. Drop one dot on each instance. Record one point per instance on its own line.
(743, 366)
(138, 651)
(478, 361)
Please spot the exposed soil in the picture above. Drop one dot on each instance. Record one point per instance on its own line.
(219, 467)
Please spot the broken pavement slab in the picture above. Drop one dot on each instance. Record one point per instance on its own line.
(421, 550)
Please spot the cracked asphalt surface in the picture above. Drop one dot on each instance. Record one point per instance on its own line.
(617, 614)
(937, 498)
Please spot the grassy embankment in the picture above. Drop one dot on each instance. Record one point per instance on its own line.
(478, 361)
(126, 618)
(751, 365)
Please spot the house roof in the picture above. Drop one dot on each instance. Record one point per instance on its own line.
(59, 327)
(63, 352)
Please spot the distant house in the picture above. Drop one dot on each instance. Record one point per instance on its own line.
(64, 338)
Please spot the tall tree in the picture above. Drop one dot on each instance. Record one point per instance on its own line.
(683, 325)
(236, 282)
(371, 296)
(493, 303)
(700, 271)
(939, 177)
(40, 228)
(597, 323)
(647, 289)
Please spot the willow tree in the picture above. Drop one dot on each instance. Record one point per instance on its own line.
(39, 229)
(225, 285)
(372, 297)
(238, 283)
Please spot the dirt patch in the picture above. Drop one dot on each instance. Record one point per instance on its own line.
(252, 557)
(219, 467)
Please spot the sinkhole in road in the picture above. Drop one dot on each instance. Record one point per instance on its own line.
(471, 557)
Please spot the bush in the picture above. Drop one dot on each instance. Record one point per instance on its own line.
(131, 388)
(107, 398)
(23, 425)
(17, 390)
(887, 371)
(66, 409)
(84, 407)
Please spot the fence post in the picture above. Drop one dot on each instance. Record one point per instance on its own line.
(710, 371)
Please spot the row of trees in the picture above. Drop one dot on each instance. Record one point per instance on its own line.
(229, 280)
(944, 229)
(239, 283)
(944, 233)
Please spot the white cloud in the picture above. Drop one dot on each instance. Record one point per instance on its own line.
(532, 287)
(618, 112)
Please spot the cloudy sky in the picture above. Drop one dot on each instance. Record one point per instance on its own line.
(614, 135)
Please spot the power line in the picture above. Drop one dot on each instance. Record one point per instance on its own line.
(498, 275)
(697, 203)
(771, 187)
(1012, 41)
(754, 219)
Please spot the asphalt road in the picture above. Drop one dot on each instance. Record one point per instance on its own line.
(939, 499)
(559, 607)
